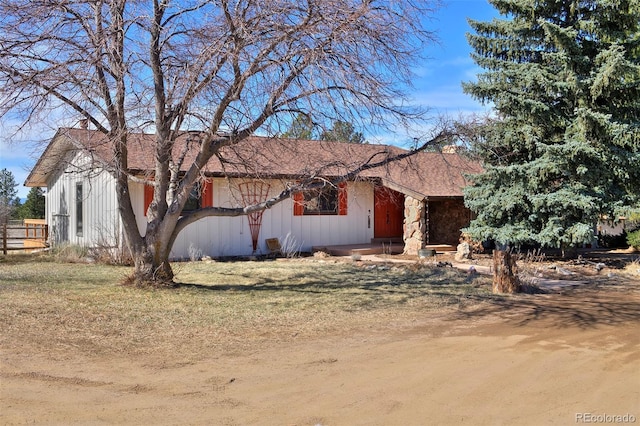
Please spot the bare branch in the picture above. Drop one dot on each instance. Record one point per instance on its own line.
(228, 69)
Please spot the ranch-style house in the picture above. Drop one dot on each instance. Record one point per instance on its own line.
(415, 202)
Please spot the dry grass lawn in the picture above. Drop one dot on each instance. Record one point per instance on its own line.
(308, 342)
(64, 305)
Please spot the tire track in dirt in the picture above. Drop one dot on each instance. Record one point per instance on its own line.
(76, 381)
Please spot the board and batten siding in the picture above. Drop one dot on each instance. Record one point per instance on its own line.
(100, 219)
(212, 236)
(231, 236)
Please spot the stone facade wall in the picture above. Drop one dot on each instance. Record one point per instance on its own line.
(414, 225)
(446, 218)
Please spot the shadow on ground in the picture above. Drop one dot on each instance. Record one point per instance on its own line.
(600, 303)
(590, 307)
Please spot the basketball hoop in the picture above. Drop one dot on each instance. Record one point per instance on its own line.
(254, 192)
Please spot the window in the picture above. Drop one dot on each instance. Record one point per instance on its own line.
(193, 202)
(201, 196)
(79, 197)
(321, 201)
(330, 200)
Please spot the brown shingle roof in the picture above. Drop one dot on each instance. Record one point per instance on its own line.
(425, 174)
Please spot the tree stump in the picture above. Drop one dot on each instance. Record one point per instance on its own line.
(505, 279)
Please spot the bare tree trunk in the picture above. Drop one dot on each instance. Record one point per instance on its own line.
(152, 268)
(151, 259)
(505, 279)
(151, 252)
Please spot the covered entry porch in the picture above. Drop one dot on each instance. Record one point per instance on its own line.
(405, 222)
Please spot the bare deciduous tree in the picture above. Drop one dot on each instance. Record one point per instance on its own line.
(228, 68)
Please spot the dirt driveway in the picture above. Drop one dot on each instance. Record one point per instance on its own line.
(531, 360)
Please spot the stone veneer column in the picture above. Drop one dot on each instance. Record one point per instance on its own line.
(414, 225)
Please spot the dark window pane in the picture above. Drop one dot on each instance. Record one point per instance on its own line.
(321, 201)
(193, 203)
(79, 197)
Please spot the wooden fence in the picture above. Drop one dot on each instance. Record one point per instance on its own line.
(33, 234)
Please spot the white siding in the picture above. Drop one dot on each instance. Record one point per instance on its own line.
(136, 192)
(100, 220)
(213, 236)
(231, 236)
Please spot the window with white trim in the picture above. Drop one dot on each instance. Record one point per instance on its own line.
(79, 205)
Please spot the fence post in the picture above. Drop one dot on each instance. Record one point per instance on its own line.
(4, 239)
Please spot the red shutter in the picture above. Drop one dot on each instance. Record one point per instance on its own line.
(298, 203)
(148, 197)
(207, 193)
(342, 198)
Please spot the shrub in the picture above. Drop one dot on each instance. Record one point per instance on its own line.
(70, 253)
(633, 238)
(109, 249)
(195, 253)
(290, 247)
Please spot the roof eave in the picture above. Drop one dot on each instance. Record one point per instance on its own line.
(402, 189)
(48, 160)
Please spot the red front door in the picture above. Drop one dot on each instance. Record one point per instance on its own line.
(388, 213)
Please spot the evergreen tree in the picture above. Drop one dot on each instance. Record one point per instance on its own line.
(33, 207)
(15, 207)
(8, 186)
(564, 78)
(8, 194)
(342, 131)
(301, 128)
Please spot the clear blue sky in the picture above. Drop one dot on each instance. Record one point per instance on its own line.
(437, 85)
(449, 64)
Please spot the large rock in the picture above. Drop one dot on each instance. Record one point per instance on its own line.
(463, 252)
